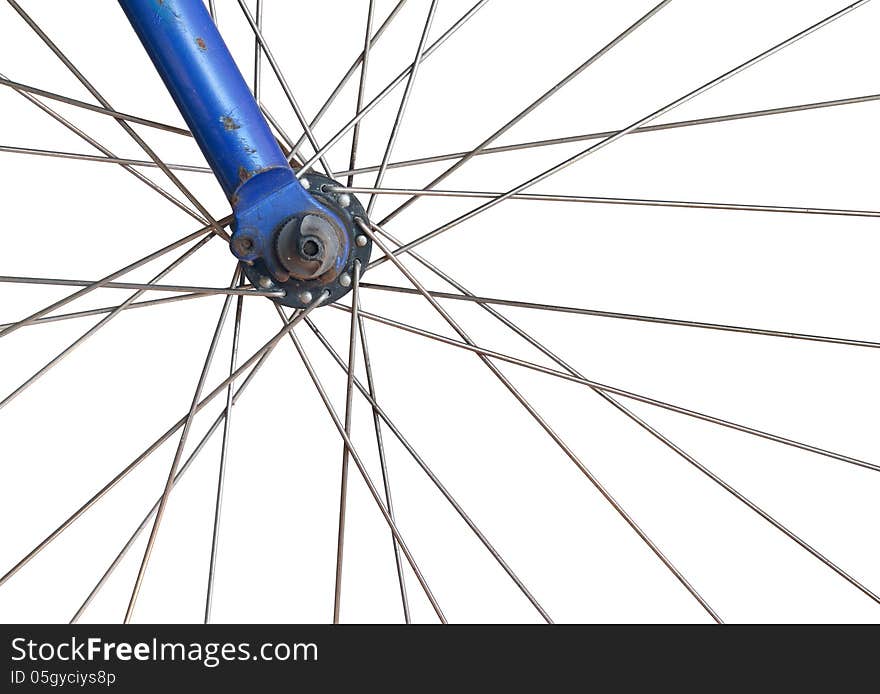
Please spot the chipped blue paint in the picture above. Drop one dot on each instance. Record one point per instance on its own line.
(208, 88)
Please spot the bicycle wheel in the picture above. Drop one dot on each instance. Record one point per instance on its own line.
(607, 359)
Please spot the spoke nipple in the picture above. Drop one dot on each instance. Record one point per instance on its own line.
(345, 279)
(305, 297)
(266, 282)
(344, 200)
(361, 240)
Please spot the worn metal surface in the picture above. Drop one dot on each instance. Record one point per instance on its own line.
(263, 253)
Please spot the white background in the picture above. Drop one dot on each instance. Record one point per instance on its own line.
(69, 433)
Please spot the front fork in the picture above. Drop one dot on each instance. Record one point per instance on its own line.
(304, 241)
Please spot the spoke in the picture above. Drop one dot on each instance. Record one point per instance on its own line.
(172, 472)
(363, 471)
(258, 51)
(224, 450)
(380, 413)
(123, 124)
(617, 391)
(626, 316)
(407, 93)
(643, 202)
(359, 104)
(183, 468)
(391, 86)
(577, 377)
(606, 133)
(639, 421)
(102, 282)
(612, 389)
(19, 87)
(343, 488)
(284, 140)
(348, 75)
(258, 358)
(108, 309)
(145, 286)
(97, 145)
(622, 133)
(517, 118)
(380, 446)
(94, 157)
(745, 500)
(546, 427)
(212, 10)
(285, 87)
(97, 326)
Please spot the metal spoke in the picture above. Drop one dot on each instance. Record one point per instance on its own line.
(622, 133)
(642, 202)
(124, 124)
(744, 499)
(145, 286)
(359, 104)
(606, 133)
(651, 430)
(546, 427)
(517, 118)
(285, 87)
(97, 145)
(257, 357)
(348, 75)
(612, 389)
(391, 85)
(642, 423)
(380, 446)
(626, 316)
(224, 450)
(172, 472)
(284, 140)
(363, 471)
(576, 376)
(380, 413)
(108, 309)
(183, 468)
(42, 371)
(102, 282)
(258, 51)
(407, 93)
(343, 486)
(102, 159)
(143, 524)
(19, 87)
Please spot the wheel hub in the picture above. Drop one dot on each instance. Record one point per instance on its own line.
(307, 253)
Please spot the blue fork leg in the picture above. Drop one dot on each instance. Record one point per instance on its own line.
(274, 214)
(208, 88)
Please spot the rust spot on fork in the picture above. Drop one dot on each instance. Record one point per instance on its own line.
(200, 42)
